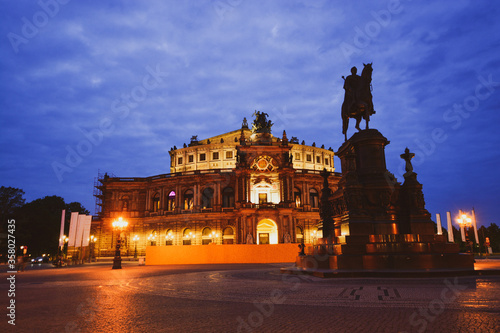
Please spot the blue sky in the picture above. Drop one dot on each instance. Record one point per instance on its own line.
(111, 86)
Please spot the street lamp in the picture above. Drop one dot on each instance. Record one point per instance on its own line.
(214, 236)
(118, 225)
(169, 239)
(152, 238)
(314, 235)
(466, 222)
(92, 240)
(135, 239)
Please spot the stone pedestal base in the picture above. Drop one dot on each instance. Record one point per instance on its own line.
(386, 253)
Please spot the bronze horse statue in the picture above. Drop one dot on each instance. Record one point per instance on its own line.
(358, 102)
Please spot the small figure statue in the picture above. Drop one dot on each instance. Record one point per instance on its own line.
(287, 238)
(249, 238)
(261, 124)
(245, 123)
(407, 156)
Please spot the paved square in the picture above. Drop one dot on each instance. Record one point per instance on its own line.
(245, 298)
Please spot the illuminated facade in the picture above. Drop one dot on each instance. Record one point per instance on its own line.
(241, 187)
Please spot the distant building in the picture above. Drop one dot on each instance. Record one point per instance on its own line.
(241, 187)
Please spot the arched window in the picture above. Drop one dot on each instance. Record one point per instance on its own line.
(206, 236)
(188, 199)
(297, 197)
(207, 197)
(171, 201)
(152, 238)
(228, 235)
(228, 197)
(187, 236)
(156, 202)
(313, 198)
(169, 237)
(299, 235)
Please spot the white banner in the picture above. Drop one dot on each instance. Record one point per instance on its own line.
(475, 225)
(438, 220)
(73, 225)
(79, 230)
(61, 233)
(87, 221)
(450, 227)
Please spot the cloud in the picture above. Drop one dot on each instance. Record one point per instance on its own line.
(280, 57)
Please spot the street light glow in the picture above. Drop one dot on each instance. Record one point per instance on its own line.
(120, 224)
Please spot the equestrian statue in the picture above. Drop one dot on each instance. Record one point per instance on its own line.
(358, 98)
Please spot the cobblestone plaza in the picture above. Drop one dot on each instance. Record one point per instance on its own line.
(248, 298)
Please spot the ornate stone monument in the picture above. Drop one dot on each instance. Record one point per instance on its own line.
(373, 224)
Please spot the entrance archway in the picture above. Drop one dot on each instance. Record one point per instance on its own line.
(267, 232)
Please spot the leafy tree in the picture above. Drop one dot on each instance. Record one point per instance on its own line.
(39, 222)
(11, 199)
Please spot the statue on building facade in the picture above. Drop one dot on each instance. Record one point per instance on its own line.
(261, 124)
(358, 102)
(249, 238)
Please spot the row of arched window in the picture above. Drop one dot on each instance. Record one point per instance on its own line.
(207, 236)
(187, 200)
(207, 199)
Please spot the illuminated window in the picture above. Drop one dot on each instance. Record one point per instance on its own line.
(297, 156)
(308, 157)
(188, 200)
(228, 235)
(187, 236)
(152, 238)
(179, 160)
(262, 198)
(156, 202)
(206, 236)
(299, 234)
(169, 237)
(297, 197)
(190, 158)
(215, 155)
(229, 154)
(203, 157)
(171, 201)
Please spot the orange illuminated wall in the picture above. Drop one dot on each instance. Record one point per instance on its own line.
(221, 254)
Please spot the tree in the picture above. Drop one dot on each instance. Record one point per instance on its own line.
(11, 199)
(39, 223)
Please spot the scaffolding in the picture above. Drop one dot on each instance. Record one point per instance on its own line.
(98, 185)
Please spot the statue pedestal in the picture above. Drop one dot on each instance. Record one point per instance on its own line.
(380, 225)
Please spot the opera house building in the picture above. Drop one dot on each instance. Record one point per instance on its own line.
(242, 187)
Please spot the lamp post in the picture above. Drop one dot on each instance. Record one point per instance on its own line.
(314, 235)
(92, 240)
(214, 236)
(152, 238)
(169, 238)
(118, 225)
(135, 239)
(466, 222)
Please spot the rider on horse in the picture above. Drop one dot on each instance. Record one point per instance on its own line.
(358, 98)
